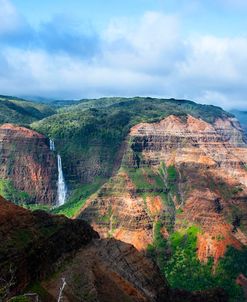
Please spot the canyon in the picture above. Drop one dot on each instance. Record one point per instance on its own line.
(160, 181)
(95, 270)
(209, 186)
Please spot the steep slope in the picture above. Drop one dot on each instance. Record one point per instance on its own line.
(90, 135)
(177, 187)
(31, 243)
(28, 171)
(19, 111)
(207, 164)
(242, 117)
(177, 174)
(38, 250)
(35, 245)
(112, 271)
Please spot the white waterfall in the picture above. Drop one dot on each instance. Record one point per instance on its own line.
(61, 186)
(52, 145)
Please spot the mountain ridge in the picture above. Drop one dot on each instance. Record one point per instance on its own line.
(168, 176)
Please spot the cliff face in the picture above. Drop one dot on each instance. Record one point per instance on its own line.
(40, 249)
(110, 270)
(32, 243)
(35, 245)
(28, 163)
(178, 171)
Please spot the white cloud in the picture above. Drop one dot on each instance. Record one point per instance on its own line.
(9, 17)
(147, 44)
(145, 56)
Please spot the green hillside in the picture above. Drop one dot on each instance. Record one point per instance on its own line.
(22, 112)
(90, 133)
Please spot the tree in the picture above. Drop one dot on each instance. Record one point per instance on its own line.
(6, 283)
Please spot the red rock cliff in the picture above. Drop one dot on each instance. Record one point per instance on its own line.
(26, 160)
(210, 186)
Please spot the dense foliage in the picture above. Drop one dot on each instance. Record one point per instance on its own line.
(22, 112)
(78, 198)
(177, 258)
(9, 192)
(93, 131)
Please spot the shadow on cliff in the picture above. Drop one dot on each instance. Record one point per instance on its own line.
(38, 248)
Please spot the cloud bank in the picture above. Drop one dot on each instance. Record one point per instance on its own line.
(146, 56)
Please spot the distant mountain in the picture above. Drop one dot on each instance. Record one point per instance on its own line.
(38, 99)
(50, 101)
(19, 111)
(242, 117)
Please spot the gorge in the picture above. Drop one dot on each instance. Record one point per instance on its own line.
(167, 178)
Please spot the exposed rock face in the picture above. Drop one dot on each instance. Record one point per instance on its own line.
(209, 188)
(119, 211)
(108, 271)
(38, 247)
(32, 243)
(26, 160)
(115, 271)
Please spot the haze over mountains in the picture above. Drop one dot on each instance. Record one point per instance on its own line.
(163, 183)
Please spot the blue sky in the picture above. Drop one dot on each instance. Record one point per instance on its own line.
(194, 49)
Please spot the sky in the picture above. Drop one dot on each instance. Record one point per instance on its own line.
(186, 49)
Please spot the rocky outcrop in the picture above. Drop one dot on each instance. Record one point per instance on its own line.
(25, 160)
(41, 249)
(32, 243)
(178, 171)
(110, 270)
(118, 211)
(115, 271)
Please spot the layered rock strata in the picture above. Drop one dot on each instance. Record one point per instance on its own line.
(112, 271)
(26, 160)
(32, 243)
(35, 245)
(180, 172)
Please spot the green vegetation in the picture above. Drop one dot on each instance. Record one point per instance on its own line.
(177, 259)
(179, 211)
(35, 207)
(90, 134)
(146, 179)
(162, 183)
(146, 107)
(78, 198)
(22, 112)
(183, 269)
(8, 191)
(228, 269)
(172, 174)
(159, 249)
(93, 131)
(39, 289)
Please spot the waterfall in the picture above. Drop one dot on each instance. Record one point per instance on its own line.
(52, 145)
(61, 186)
